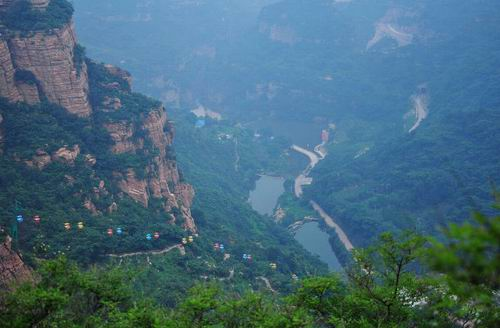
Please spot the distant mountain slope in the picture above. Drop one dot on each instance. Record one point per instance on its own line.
(410, 86)
(88, 170)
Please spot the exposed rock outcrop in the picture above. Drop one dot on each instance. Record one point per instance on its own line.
(120, 73)
(12, 268)
(112, 103)
(48, 65)
(49, 56)
(134, 187)
(8, 88)
(66, 155)
(122, 134)
(40, 4)
(40, 160)
(29, 92)
(89, 205)
(161, 179)
(90, 160)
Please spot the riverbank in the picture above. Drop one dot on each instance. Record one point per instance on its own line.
(304, 179)
(331, 223)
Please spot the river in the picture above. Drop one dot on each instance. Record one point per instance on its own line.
(316, 242)
(266, 193)
(264, 199)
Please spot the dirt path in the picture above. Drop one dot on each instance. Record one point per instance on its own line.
(313, 158)
(331, 223)
(154, 252)
(421, 112)
(300, 181)
(268, 284)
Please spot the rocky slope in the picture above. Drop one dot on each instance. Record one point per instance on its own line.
(50, 58)
(12, 268)
(49, 66)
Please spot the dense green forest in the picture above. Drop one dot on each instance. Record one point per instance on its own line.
(456, 285)
(272, 68)
(314, 62)
(21, 17)
(57, 193)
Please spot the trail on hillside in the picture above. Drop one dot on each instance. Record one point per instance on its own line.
(421, 111)
(268, 284)
(153, 252)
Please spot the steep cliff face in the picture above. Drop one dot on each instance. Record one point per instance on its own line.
(12, 268)
(162, 180)
(49, 65)
(50, 57)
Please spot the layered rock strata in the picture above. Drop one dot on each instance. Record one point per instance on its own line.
(13, 271)
(50, 57)
(162, 179)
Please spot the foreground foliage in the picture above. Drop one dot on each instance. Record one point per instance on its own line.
(386, 287)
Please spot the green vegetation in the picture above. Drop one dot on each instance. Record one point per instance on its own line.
(79, 57)
(105, 86)
(413, 182)
(25, 19)
(423, 180)
(58, 191)
(25, 76)
(383, 289)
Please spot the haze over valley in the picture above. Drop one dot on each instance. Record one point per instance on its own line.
(260, 163)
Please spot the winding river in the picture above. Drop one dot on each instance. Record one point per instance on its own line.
(264, 200)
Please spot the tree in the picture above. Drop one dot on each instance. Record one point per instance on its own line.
(469, 263)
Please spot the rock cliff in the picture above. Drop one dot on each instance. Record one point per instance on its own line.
(47, 61)
(162, 179)
(12, 268)
(49, 65)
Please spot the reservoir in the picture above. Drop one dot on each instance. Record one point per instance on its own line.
(265, 196)
(316, 242)
(264, 199)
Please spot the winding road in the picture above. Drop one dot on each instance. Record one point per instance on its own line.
(304, 179)
(153, 252)
(331, 223)
(421, 111)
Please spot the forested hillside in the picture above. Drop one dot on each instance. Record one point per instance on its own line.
(89, 171)
(375, 69)
(382, 290)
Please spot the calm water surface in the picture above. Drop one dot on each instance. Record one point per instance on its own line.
(265, 196)
(316, 242)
